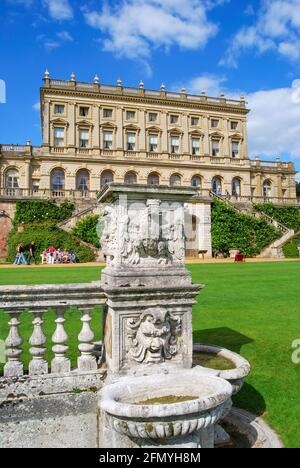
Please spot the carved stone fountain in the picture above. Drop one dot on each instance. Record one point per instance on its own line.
(148, 325)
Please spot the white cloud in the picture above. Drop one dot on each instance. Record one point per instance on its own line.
(274, 118)
(65, 36)
(135, 27)
(276, 27)
(59, 9)
(37, 106)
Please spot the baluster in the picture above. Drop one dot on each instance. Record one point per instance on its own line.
(14, 366)
(61, 363)
(87, 360)
(38, 365)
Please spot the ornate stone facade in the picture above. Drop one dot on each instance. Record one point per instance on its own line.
(95, 133)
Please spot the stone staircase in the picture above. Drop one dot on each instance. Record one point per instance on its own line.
(273, 250)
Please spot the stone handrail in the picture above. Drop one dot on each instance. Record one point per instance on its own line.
(38, 300)
(20, 193)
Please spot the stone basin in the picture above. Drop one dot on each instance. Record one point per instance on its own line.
(189, 421)
(235, 376)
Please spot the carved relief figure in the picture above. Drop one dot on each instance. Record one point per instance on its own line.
(153, 337)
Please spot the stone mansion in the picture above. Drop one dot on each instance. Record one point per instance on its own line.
(94, 134)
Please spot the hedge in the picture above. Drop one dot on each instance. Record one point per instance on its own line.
(86, 230)
(39, 211)
(233, 230)
(289, 216)
(44, 235)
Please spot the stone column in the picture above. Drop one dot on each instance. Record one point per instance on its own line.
(226, 141)
(206, 137)
(46, 124)
(27, 175)
(96, 128)
(142, 135)
(185, 122)
(120, 145)
(245, 142)
(71, 131)
(164, 135)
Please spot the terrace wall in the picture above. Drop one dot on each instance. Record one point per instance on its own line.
(9, 208)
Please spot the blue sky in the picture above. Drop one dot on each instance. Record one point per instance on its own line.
(239, 47)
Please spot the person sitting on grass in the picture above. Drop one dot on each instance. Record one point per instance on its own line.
(44, 256)
(73, 257)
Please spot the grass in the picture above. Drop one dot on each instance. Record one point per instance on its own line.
(251, 308)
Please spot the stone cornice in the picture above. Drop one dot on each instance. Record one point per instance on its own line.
(176, 103)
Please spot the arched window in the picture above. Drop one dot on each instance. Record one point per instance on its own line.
(130, 178)
(12, 179)
(217, 186)
(175, 180)
(196, 181)
(106, 177)
(153, 179)
(236, 187)
(83, 180)
(267, 188)
(58, 179)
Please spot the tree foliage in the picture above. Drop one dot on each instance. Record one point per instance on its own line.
(86, 230)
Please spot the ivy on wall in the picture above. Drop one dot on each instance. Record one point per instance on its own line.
(36, 211)
(289, 216)
(233, 230)
(86, 230)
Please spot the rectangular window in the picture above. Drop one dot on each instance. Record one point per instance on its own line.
(194, 121)
(173, 119)
(130, 115)
(235, 149)
(59, 109)
(234, 125)
(195, 146)
(59, 136)
(153, 143)
(107, 140)
(174, 144)
(83, 111)
(83, 138)
(152, 117)
(107, 113)
(131, 141)
(214, 123)
(215, 145)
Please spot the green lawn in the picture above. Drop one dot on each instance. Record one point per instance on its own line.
(252, 308)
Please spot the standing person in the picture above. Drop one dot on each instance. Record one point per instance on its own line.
(21, 258)
(31, 253)
(16, 262)
(52, 255)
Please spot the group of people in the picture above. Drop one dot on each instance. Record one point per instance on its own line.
(50, 256)
(53, 255)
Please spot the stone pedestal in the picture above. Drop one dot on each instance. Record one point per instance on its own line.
(148, 318)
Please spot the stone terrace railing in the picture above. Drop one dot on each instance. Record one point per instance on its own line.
(38, 299)
(21, 193)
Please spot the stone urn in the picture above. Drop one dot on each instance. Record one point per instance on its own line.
(174, 410)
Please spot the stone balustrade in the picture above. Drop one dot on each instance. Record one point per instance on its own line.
(38, 300)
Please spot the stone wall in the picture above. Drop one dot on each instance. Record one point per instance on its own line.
(9, 209)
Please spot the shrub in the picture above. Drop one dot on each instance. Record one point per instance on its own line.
(290, 249)
(289, 216)
(44, 235)
(86, 230)
(38, 211)
(231, 229)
